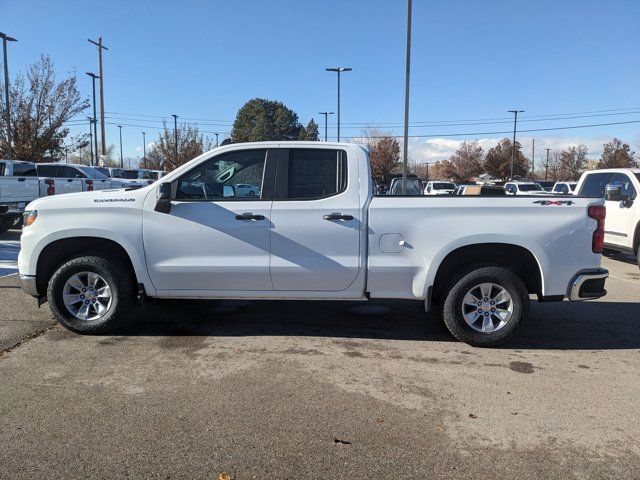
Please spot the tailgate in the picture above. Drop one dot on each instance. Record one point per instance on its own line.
(18, 190)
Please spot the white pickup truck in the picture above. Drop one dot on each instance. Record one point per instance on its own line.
(314, 232)
(18, 187)
(619, 187)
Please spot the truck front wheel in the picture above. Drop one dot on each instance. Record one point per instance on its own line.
(484, 306)
(91, 294)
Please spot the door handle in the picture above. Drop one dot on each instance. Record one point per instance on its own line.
(21, 179)
(337, 216)
(69, 179)
(249, 216)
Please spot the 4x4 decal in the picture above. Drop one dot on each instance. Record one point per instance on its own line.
(554, 202)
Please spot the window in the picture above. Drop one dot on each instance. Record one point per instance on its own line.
(530, 187)
(24, 170)
(443, 186)
(91, 172)
(54, 171)
(230, 176)
(594, 184)
(70, 172)
(315, 173)
(627, 186)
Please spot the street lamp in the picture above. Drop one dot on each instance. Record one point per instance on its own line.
(338, 70)
(5, 39)
(95, 121)
(513, 150)
(175, 136)
(90, 139)
(121, 161)
(326, 115)
(405, 145)
(144, 149)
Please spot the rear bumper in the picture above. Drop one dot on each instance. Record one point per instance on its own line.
(28, 285)
(588, 284)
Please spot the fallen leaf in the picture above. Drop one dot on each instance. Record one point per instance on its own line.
(339, 441)
(471, 415)
(225, 476)
(379, 420)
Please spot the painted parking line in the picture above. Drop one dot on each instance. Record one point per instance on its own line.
(9, 257)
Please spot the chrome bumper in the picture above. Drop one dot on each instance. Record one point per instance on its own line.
(588, 284)
(28, 285)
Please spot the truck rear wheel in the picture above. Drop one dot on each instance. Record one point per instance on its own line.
(91, 294)
(485, 306)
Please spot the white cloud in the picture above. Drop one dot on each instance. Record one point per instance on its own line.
(434, 149)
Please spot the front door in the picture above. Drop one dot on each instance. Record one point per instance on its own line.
(619, 221)
(216, 237)
(316, 221)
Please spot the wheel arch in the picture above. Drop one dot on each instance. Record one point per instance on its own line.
(58, 251)
(516, 257)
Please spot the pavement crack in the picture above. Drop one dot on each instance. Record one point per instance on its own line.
(26, 339)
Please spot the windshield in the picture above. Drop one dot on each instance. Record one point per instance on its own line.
(131, 174)
(93, 172)
(414, 186)
(531, 187)
(146, 174)
(443, 186)
(102, 170)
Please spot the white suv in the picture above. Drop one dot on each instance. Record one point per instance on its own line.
(440, 188)
(619, 187)
(564, 188)
(524, 188)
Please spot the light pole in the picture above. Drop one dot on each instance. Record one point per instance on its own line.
(216, 139)
(90, 139)
(326, 115)
(405, 147)
(101, 77)
(121, 160)
(338, 70)
(513, 150)
(5, 39)
(175, 136)
(546, 166)
(95, 120)
(144, 149)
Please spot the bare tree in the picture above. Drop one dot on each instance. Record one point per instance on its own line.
(617, 154)
(573, 161)
(465, 163)
(191, 143)
(40, 109)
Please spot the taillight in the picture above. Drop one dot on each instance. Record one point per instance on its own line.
(51, 186)
(89, 185)
(598, 213)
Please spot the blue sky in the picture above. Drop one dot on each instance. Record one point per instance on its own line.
(470, 60)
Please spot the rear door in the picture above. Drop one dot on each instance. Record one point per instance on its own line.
(316, 220)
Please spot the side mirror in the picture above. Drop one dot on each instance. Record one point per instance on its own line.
(163, 198)
(613, 192)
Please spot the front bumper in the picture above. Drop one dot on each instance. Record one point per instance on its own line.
(588, 284)
(28, 285)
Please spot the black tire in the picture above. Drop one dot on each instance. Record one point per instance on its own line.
(466, 280)
(120, 281)
(638, 256)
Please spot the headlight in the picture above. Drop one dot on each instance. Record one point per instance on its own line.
(29, 216)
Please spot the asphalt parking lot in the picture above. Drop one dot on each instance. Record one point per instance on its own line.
(310, 390)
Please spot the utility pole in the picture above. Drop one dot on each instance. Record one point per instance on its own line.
(533, 158)
(95, 121)
(5, 39)
(144, 149)
(513, 150)
(121, 161)
(546, 166)
(101, 77)
(216, 140)
(175, 136)
(338, 70)
(326, 115)
(405, 145)
(427, 173)
(91, 139)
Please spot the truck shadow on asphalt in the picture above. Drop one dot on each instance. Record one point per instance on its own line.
(579, 326)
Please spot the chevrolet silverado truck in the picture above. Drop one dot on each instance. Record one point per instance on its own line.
(314, 231)
(18, 186)
(619, 187)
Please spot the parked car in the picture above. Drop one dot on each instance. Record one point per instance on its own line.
(145, 177)
(619, 187)
(524, 188)
(18, 186)
(564, 188)
(118, 178)
(315, 232)
(440, 188)
(546, 184)
(246, 190)
(414, 186)
(483, 190)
